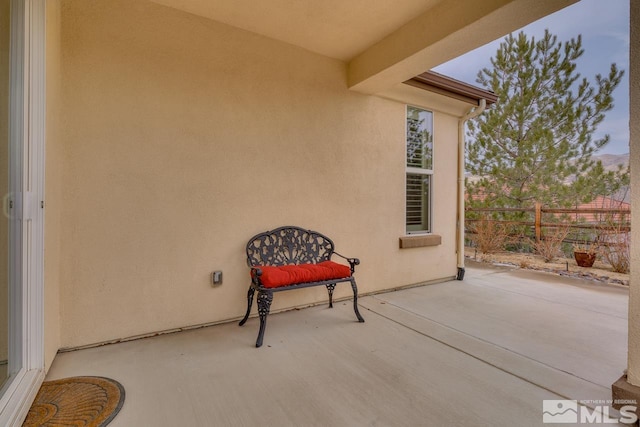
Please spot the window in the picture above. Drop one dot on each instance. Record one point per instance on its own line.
(419, 169)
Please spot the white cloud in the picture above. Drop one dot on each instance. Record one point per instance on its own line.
(618, 130)
(604, 26)
(593, 19)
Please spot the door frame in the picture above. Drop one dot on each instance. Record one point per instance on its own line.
(26, 209)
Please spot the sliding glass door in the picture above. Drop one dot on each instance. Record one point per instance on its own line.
(5, 36)
(22, 132)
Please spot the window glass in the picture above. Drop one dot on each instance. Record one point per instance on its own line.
(419, 170)
(419, 138)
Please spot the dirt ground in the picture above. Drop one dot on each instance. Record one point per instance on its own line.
(600, 271)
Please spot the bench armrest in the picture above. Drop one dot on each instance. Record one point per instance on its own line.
(255, 275)
(352, 261)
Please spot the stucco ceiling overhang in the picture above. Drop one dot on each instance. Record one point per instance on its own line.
(339, 29)
(384, 42)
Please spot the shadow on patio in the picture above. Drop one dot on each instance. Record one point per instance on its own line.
(485, 351)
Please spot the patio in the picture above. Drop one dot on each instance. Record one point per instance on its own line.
(485, 351)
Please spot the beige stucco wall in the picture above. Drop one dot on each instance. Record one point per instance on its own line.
(182, 137)
(634, 124)
(53, 185)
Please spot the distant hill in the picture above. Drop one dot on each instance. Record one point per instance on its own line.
(611, 161)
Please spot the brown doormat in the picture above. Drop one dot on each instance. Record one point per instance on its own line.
(76, 401)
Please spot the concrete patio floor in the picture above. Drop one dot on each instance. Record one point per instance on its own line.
(485, 351)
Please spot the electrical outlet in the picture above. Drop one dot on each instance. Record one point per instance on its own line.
(216, 277)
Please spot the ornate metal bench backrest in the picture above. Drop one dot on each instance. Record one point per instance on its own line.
(288, 245)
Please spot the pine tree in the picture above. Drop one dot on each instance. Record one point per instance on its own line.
(536, 143)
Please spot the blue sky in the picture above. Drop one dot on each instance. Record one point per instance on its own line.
(604, 26)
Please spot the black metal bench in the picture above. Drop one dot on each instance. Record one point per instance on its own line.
(292, 258)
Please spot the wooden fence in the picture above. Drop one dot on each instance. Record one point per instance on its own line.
(592, 221)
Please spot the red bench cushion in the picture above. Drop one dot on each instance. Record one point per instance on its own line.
(285, 275)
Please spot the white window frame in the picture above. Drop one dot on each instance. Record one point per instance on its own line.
(421, 171)
(26, 225)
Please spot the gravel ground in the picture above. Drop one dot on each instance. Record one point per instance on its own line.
(600, 271)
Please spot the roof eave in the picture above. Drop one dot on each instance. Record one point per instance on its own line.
(447, 86)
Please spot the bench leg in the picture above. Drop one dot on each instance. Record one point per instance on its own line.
(355, 299)
(264, 304)
(330, 288)
(249, 303)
